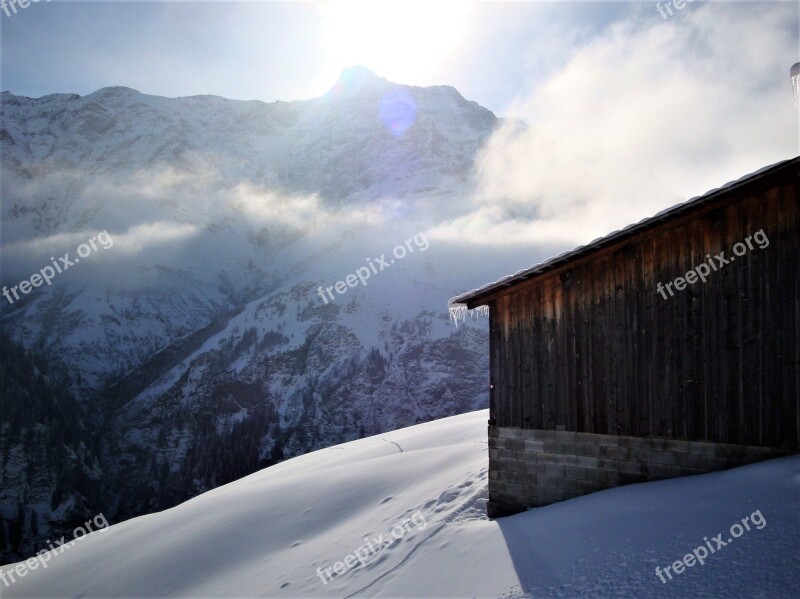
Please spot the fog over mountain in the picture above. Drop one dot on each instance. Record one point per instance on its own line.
(188, 335)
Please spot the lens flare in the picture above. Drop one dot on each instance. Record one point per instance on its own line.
(398, 111)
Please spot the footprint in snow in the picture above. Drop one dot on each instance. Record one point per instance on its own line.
(448, 496)
(382, 557)
(387, 499)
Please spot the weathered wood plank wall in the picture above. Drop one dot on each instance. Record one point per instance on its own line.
(591, 346)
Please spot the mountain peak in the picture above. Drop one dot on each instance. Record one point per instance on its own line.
(117, 90)
(355, 79)
(359, 73)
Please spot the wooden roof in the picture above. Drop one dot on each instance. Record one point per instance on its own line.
(480, 296)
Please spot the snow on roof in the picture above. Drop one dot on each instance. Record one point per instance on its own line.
(458, 304)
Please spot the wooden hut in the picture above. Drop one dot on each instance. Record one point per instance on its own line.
(665, 349)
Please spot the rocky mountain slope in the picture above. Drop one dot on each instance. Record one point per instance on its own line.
(197, 340)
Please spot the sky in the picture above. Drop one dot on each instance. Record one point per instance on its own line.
(490, 51)
(630, 106)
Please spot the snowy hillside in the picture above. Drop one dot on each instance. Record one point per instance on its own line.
(274, 533)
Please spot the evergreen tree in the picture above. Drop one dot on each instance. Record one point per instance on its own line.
(34, 524)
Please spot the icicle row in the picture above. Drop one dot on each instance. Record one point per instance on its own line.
(458, 312)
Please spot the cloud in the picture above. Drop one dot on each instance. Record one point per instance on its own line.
(648, 114)
(168, 216)
(55, 244)
(263, 206)
(150, 235)
(133, 241)
(495, 225)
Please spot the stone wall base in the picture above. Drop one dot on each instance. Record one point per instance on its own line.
(533, 468)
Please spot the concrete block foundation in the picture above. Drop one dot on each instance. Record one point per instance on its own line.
(533, 468)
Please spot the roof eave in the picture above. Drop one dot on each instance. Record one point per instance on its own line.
(482, 295)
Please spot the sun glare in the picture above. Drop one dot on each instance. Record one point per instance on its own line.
(402, 41)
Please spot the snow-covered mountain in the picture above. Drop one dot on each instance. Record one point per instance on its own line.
(195, 337)
(211, 202)
(411, 505)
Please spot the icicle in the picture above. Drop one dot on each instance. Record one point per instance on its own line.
(458, 312)
(795, 75)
